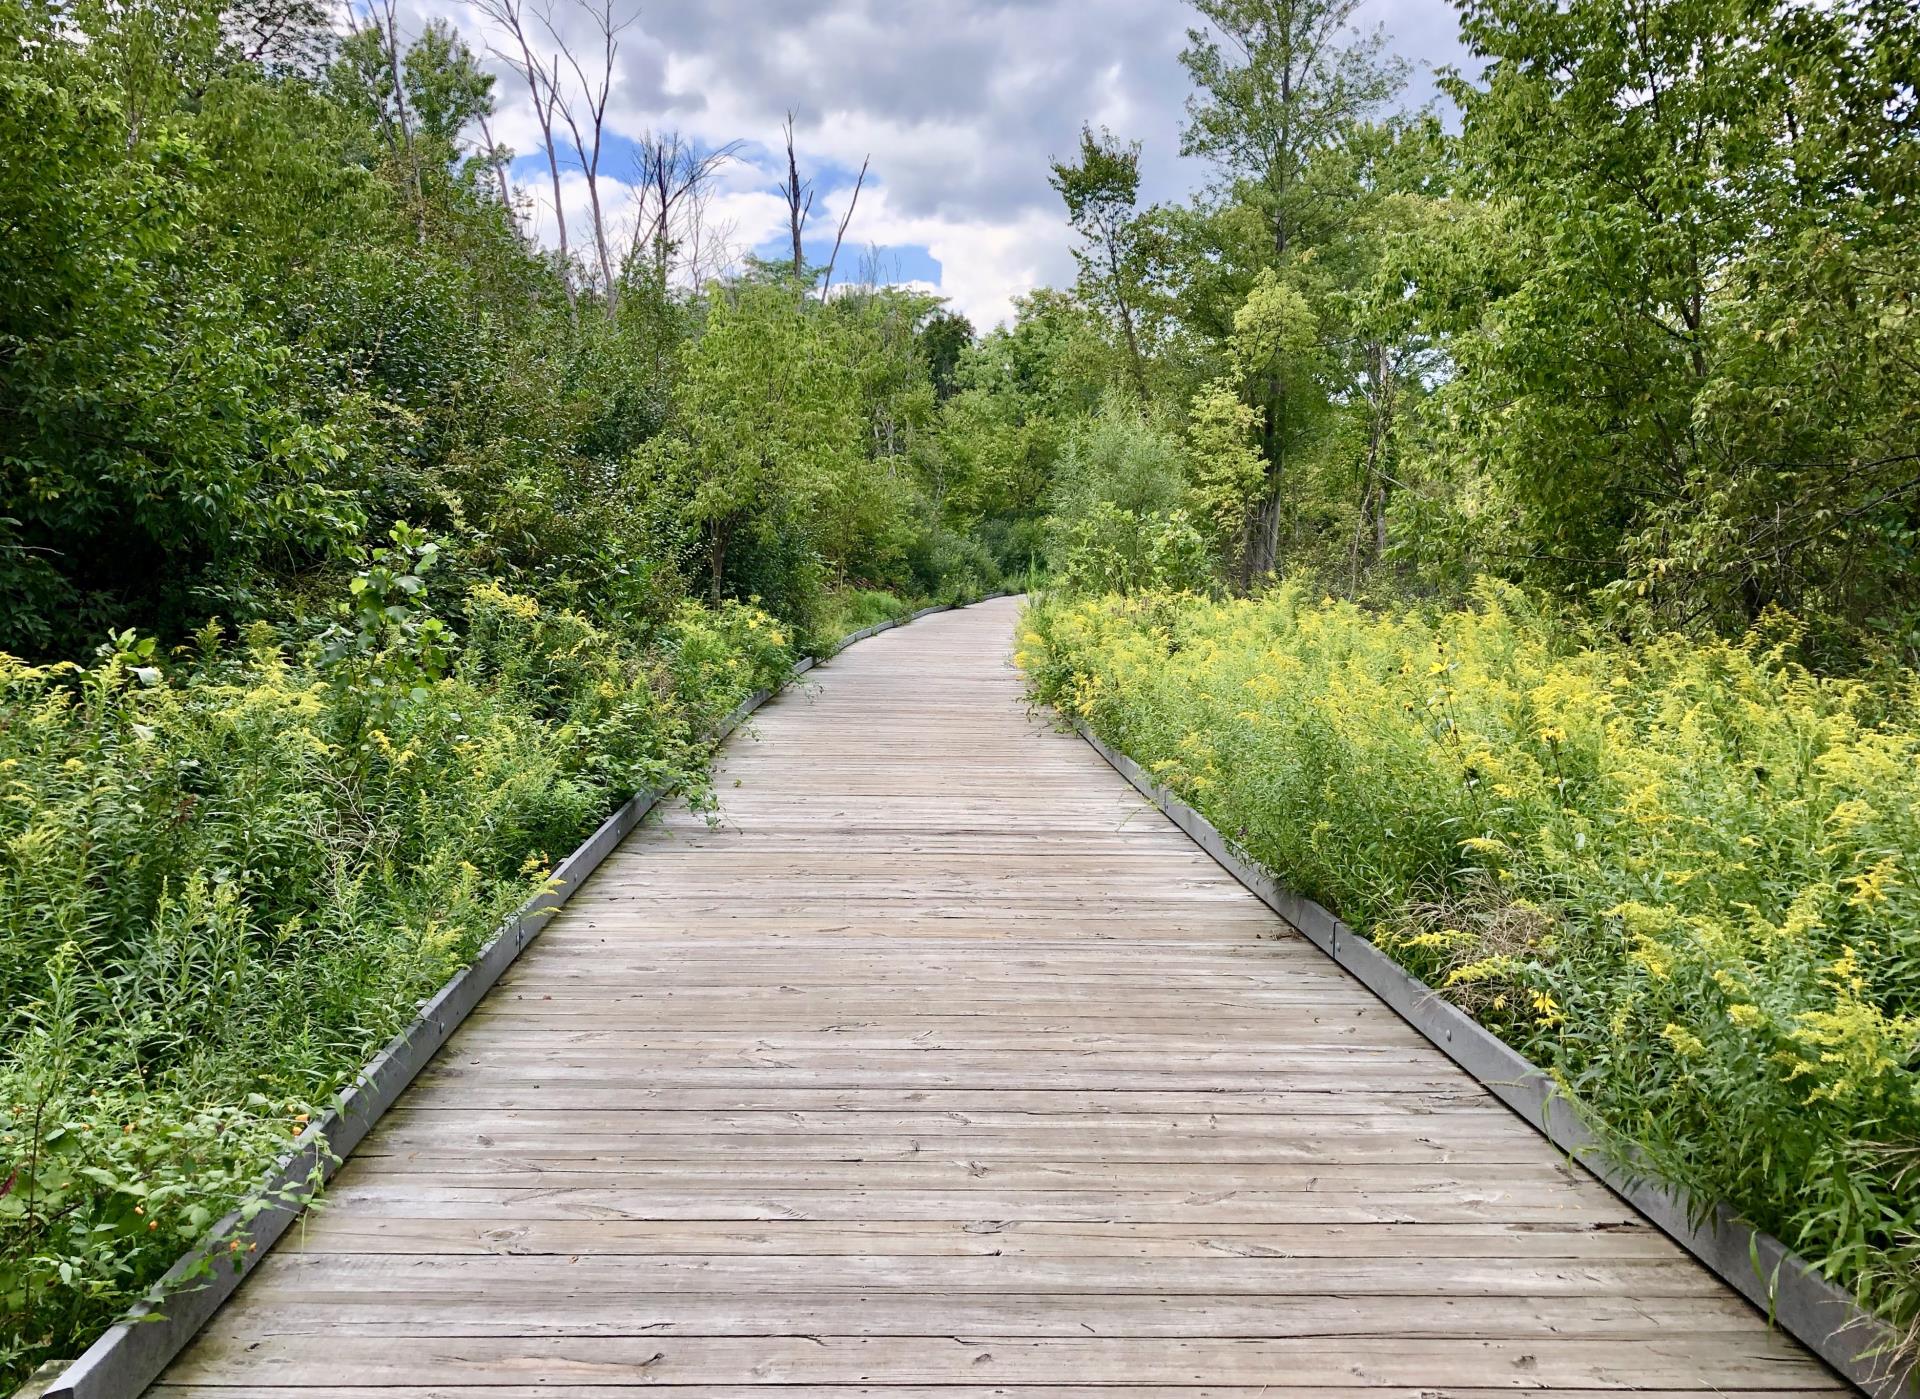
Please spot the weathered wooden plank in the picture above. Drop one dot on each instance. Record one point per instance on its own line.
(508, 1233)
(1545, 1181)
(620, 1028)
(423, 1314)
(715, 1197)
(1756, 1360)
(616, 1091)
(1091, 1073)
(943, 1391)
(1200, 1121)
(1087, 1146)
(1406, 1276)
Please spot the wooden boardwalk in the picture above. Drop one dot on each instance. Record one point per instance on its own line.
(947, 1067)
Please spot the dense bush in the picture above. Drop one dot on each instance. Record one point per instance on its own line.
(227, 877)
(1111, 549)
(1684, 876)
(856, 609)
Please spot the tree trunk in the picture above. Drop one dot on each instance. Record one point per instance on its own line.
(1375, 486)
(799, 204)
(600, 235)
(560, 218)
(717, 558)
(1262, 555)
(1135, 364)
(392, 36)
(499, 172)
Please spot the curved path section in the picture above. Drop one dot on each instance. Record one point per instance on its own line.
(944, 1066)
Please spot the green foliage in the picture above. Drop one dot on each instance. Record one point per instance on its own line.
(253, 319)
(987, 461)
(1118, 522)
(1111, 549)
(1288, 84)
(856, 609)
(1226, 469)
(1641, 335)
(790, 437)
(228, 879)
(944, 340)
(154, 450)
(1113, 255)
(1696, 394)
(1118, 457)
(387, 642)
(1684, 876)
(761, 420)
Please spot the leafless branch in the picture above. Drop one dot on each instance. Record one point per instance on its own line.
(499, 168)
(594, 94)
(799, 199)
(671, 175)
(510, 16)
(845, 219)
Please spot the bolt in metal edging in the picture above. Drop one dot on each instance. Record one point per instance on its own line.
(1755, 1264)
(128, 1356)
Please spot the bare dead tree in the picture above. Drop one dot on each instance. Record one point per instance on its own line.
(826, 283)
(671, 184)
(510, 15)
(498, 165)
(591, 117)
(710, 248)
(799, 199)
(671, 177)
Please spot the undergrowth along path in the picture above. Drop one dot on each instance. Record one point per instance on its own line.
(945, 1065)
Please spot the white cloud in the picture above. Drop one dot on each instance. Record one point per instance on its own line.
(984, 263)
(958, 104)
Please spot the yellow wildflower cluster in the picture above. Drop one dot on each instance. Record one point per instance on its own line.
(1680, 873)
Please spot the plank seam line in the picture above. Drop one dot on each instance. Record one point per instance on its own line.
(130, 1354)
(1758, 1266)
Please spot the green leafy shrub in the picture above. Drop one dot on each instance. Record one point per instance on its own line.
(952, 567)
(1684, 876)
(1110, 549)
(855, 609)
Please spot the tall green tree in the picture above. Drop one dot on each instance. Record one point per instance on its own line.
(1100, 191)
(945, 337)
(765, 422)
(1703, 395)
(1277, 82)
(1279, 88)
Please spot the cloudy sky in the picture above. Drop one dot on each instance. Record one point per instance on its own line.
(959, 103)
